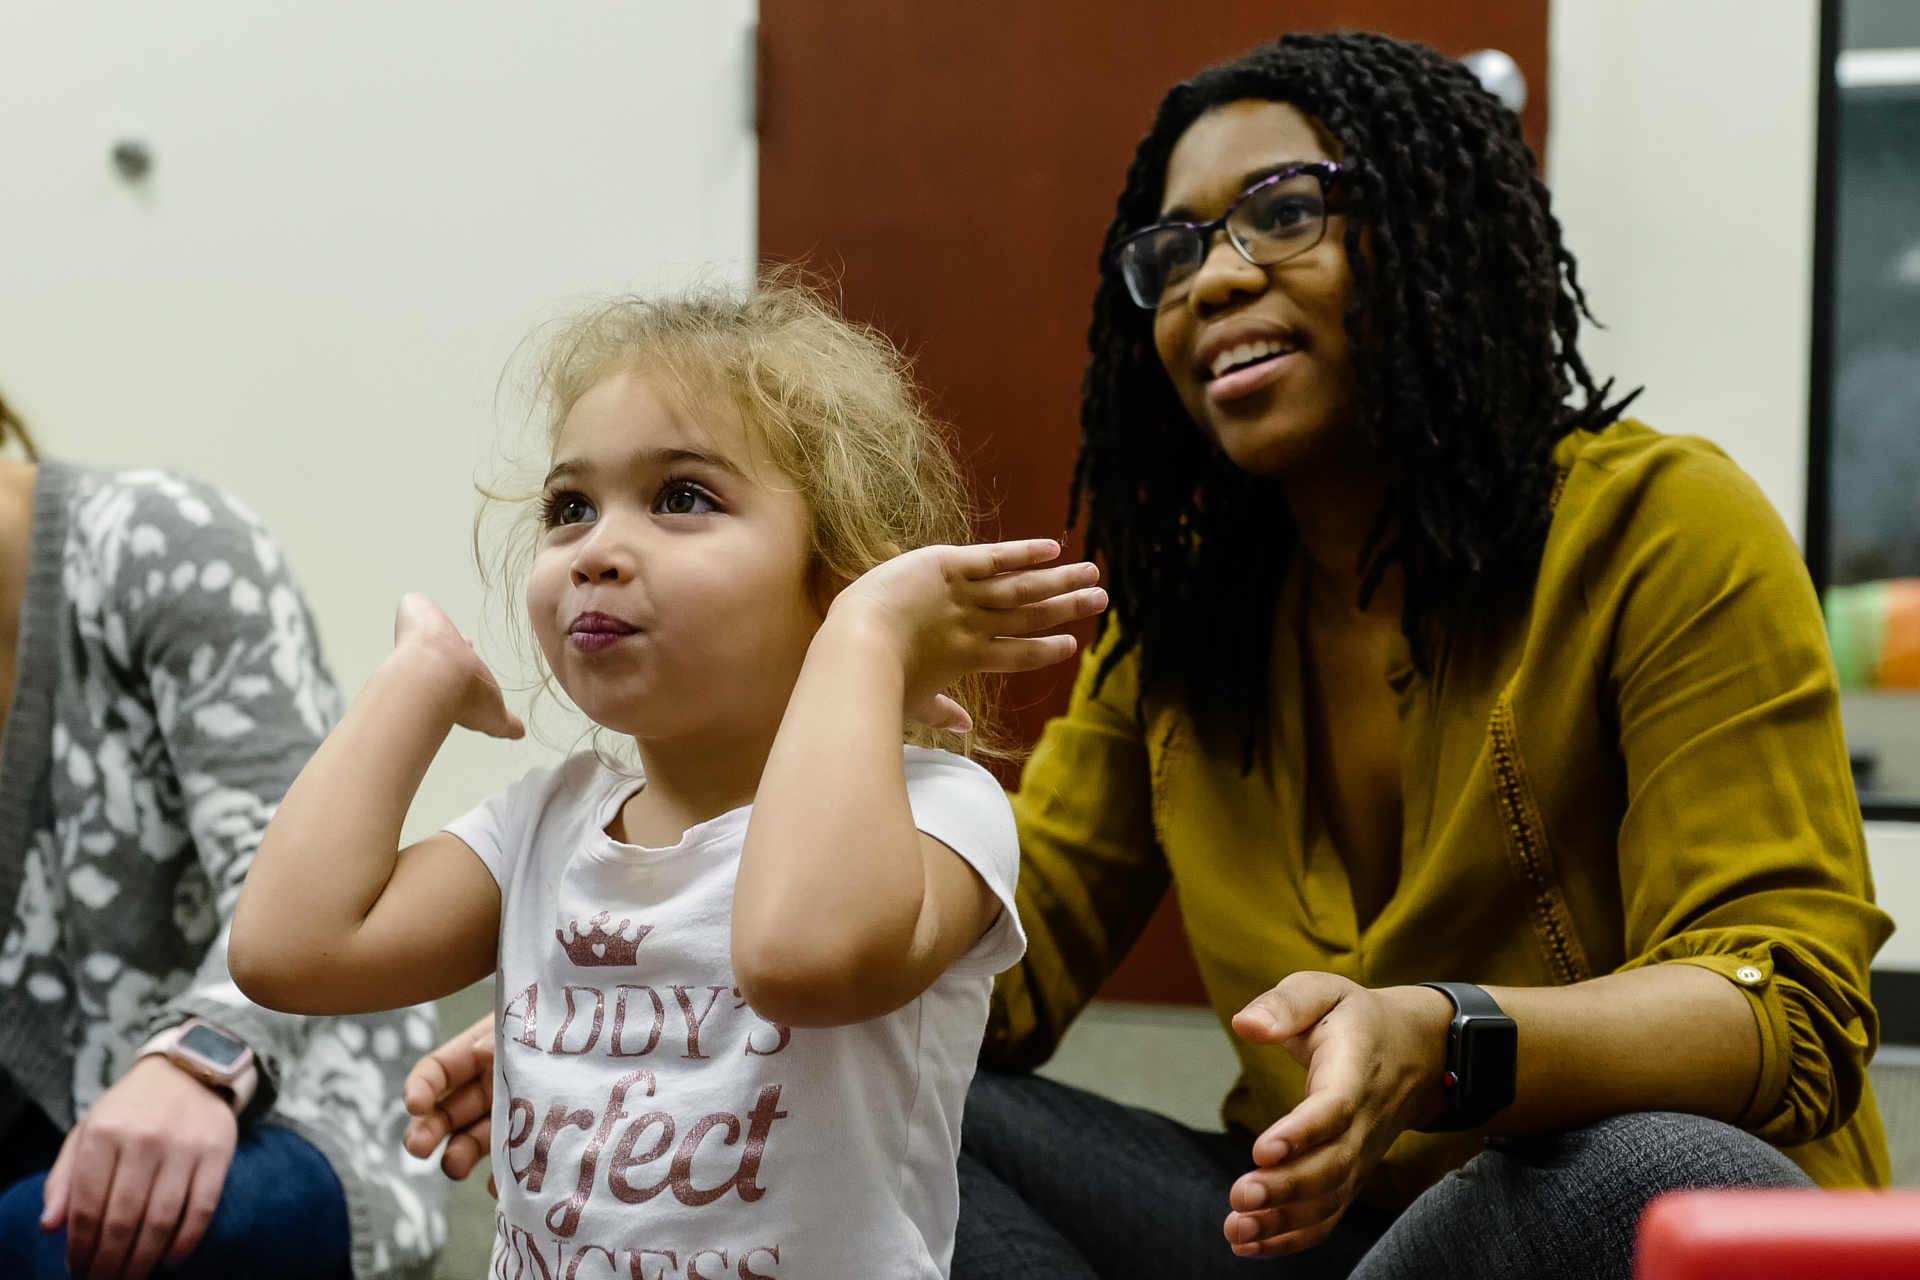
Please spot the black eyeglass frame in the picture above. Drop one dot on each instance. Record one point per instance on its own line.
(1326, 172)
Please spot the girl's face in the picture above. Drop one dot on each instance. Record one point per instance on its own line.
(1292, 410)
(669, 593)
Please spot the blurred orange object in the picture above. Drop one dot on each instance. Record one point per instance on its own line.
(1774, 1235)
(1900, 650)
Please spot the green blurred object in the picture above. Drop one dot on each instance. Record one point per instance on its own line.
(1874, 631)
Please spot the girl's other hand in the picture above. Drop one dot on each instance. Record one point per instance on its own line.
(1374, 1061)
(950, 612)
(421, 626)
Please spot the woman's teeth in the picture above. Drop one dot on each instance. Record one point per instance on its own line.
(1246, 353)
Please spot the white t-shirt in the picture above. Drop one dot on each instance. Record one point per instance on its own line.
(646, 1122)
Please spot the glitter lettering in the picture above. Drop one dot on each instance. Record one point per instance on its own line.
(558, 1118)
(746, 1256)
(623, 1159)
(620, 1021)
(593, 1033)
(638, 1260)
(681, 1174)
(529, 1017)
(568, 1210)
(613, 1263)
(693, 1023)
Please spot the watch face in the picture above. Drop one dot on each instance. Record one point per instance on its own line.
(216, 1047)
(1491, 1046)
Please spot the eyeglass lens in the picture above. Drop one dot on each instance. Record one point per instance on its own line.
(1272, 222)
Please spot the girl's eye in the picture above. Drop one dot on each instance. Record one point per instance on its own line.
(568, 508)
(683, 499)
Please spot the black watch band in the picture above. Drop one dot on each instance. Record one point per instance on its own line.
(1482, 1049)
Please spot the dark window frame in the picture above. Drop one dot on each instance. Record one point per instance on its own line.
(1826, 202)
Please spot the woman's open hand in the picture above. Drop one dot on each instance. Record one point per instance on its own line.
(423, 625)
(449, 1093)
(1374, 1061)
(952, 611)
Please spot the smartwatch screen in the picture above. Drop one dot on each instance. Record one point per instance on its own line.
(1491, 1047)
(221, 1050)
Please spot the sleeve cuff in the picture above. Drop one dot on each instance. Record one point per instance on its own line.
(1753, 976)
(1817, 1028)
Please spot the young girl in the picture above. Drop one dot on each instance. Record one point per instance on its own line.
(740, 992)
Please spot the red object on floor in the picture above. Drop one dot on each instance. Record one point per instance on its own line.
(1774, 1235)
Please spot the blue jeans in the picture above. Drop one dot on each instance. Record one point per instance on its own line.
(281, 1213)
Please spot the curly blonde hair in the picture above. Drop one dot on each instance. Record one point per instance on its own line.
(832, 402)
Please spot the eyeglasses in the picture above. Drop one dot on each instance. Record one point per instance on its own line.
(1274, 219)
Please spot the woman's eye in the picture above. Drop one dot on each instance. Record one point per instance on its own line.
(1288, 213)
(569, 508)
(685, 500)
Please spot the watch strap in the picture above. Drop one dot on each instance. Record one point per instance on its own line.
(1468, 999)
(1475, 1091)
(238, 1092)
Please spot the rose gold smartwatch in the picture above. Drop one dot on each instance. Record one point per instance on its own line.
(212, 1055)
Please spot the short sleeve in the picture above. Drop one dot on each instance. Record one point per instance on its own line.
(960, 804)
(500, 828)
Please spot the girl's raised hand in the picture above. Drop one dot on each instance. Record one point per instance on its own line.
(423, 627)
(952, 611)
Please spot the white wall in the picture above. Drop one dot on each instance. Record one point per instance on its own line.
(1894, 848)
(357, 210)
(1681, 158)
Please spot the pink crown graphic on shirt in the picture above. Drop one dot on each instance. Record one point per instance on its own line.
(599, 947)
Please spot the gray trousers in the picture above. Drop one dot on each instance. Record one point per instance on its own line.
(1058, 1184)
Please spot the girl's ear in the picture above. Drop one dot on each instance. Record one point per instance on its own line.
(824, 585)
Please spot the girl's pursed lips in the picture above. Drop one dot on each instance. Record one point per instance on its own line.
(591, 632)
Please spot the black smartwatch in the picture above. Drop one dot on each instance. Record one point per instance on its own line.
(1483, 1045)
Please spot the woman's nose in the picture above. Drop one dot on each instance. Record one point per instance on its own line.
(1224, 275)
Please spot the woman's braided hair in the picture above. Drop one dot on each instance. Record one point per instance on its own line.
(1463, 323)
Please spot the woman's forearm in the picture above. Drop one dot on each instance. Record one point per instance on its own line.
(1666, 1037)
(331, 848)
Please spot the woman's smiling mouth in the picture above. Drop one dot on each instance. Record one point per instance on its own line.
(592, 632)
(1237, 363)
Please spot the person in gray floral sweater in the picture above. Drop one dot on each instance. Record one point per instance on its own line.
(162, 686)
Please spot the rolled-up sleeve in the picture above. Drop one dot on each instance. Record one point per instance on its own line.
(1719, 669)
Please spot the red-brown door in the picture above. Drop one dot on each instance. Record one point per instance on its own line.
(953, 167)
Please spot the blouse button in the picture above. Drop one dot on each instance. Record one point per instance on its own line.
(1748, 974)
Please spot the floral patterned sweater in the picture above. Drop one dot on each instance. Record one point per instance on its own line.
(169, 686)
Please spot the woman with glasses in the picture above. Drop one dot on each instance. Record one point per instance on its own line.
(1424, 666)
(1489, 737)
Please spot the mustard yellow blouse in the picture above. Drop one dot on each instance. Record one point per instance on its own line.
(1646, 766)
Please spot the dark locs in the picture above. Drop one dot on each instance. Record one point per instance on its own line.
(1463, 324)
